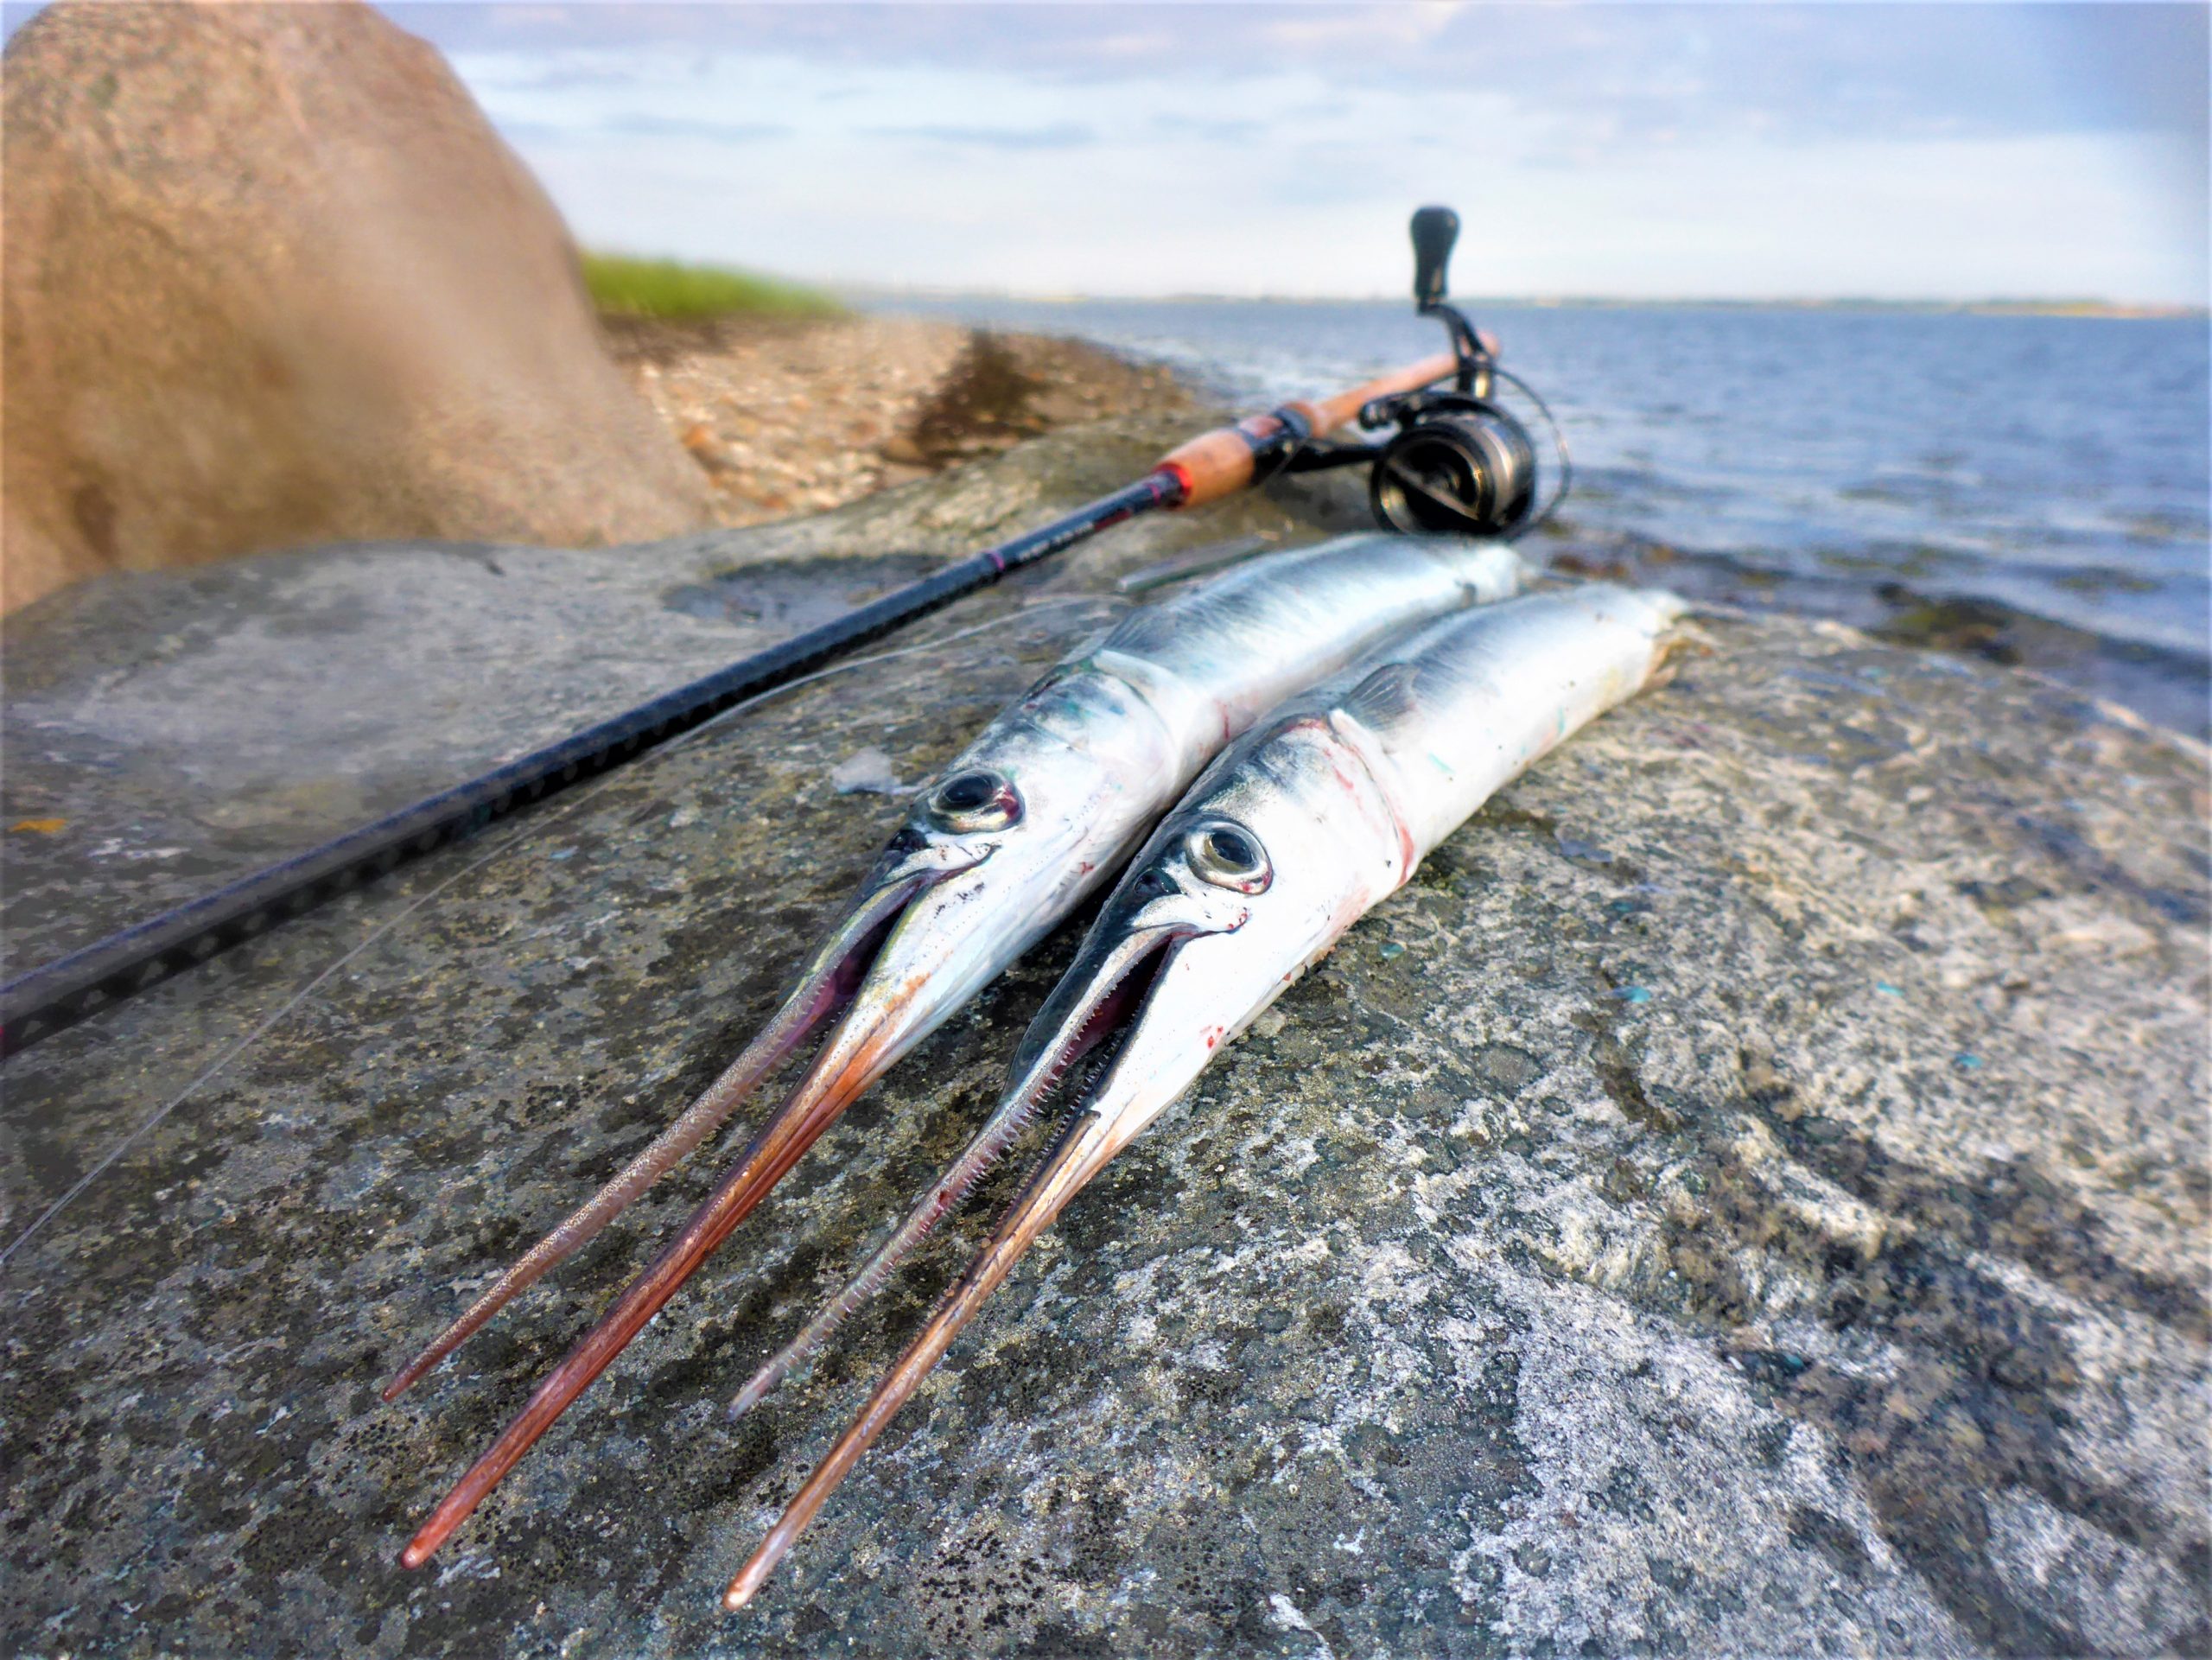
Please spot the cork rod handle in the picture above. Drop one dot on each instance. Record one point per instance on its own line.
(1219, 463)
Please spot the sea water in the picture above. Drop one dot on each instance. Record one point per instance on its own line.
(2034, 487)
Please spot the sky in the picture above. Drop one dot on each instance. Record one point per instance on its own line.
(1641, 151)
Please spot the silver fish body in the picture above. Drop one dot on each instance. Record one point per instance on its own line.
(1321, 811)
(1087, 760)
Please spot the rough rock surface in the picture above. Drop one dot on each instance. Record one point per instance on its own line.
(1748, 1195)
(271, 279)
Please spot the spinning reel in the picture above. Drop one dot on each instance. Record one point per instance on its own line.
(1460, 462)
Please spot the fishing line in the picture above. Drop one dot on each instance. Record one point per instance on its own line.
(1559, 448)
(251, 1038)
(567, 810)
(55, 995)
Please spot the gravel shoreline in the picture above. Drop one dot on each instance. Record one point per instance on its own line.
(799, 415)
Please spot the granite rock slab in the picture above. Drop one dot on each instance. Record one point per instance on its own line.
(1747, 1194)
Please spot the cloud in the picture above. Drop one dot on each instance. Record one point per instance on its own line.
(1928, 150)
(1809, 69)
(1210, 130)
(1060, 135)
(555, 130)
(720, 132)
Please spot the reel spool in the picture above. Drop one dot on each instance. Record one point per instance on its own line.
(1462, 466)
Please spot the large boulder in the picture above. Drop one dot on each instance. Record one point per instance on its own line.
(271, 279)
(1747, 1196)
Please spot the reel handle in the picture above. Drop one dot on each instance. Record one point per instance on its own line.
(1435, 230)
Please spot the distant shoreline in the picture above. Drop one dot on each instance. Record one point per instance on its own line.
(891, 298)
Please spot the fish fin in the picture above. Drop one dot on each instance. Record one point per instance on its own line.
(1384, 698)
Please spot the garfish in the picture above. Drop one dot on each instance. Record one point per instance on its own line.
(1297, 830)
(1026, 822)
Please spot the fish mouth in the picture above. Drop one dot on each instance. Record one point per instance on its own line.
(849, 957)
(1077, 1061)
(1085, 1052)
(832, 994)
(1092, 1037)
(829, 985)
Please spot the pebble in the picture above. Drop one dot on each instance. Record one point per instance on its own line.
(789, 416)
(865, 772)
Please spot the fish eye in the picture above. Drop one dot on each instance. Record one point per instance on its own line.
(978, 799)
(1228, 855)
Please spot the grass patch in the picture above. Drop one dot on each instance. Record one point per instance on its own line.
(669, 288)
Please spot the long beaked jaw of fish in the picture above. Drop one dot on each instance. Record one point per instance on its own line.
(833, 978)
(1204, 933)
(950, 906)
(1067, 1035)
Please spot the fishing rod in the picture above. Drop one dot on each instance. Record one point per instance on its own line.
(1459, 463)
